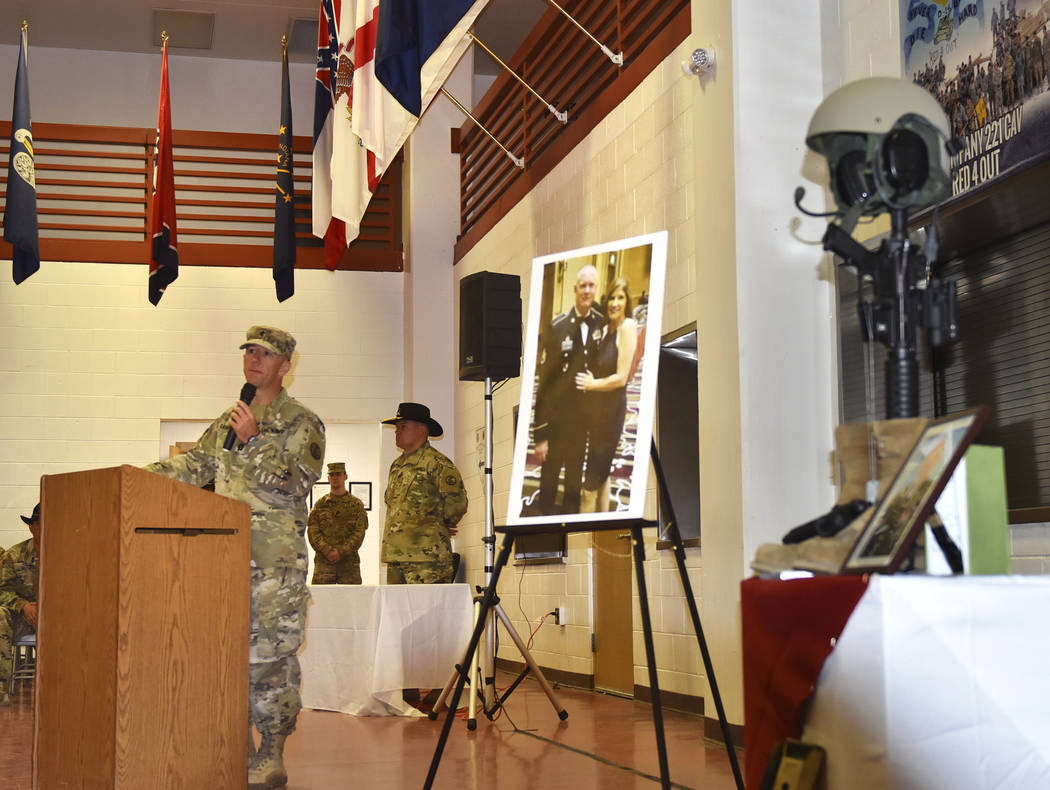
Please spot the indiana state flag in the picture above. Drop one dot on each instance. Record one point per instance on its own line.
(284, 207)
(20, 222)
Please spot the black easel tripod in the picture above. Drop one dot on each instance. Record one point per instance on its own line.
(489, 601)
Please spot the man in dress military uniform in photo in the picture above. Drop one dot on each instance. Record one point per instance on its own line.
(561, 419)
(336, 529)
(271, 466)
(19, 582)
(425, 500)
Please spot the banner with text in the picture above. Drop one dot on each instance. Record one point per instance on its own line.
(988, 64)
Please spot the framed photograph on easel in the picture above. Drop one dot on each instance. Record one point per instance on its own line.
(588, 393)
(901, 513)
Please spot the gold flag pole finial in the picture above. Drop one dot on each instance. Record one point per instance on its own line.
(25, 26)
(284, 45)
(163, 37)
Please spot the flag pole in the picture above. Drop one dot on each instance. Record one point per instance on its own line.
(616, 58)
(561, 116)
(517, 162)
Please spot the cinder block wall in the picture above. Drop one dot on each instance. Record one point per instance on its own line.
(1030, 548)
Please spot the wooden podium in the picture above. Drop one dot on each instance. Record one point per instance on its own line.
(142, 676)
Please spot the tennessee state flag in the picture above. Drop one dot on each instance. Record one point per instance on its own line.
(164, 260)
(21, 229)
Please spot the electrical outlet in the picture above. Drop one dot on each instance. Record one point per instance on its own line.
(560, 615)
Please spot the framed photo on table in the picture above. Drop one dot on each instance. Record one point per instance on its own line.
(362, 491)
(911, 497)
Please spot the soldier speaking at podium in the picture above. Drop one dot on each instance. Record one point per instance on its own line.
(271, 463)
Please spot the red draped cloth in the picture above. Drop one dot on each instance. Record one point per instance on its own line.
(789, 629)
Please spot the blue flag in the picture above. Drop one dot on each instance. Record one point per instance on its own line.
(409, 34)
(20, 222)
(284, 210)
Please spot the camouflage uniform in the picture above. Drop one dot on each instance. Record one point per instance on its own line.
(19, 579)
(424, 497)
(273, 472)
(337, 522)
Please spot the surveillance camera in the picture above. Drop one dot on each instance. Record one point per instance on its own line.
(884, 140)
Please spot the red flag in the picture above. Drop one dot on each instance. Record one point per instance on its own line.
(355, 172)
(164, 259)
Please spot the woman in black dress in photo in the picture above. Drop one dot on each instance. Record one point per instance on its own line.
(606, 380)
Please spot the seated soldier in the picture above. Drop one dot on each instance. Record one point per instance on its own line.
(19, 579)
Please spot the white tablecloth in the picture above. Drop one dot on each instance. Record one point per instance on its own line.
(364, 644)
(939, 684)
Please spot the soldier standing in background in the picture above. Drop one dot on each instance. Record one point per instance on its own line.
(19, 582)
(336, 529)
(425, 500)
(272, 467)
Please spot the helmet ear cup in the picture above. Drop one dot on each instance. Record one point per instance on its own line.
(853, 181)
(905, 162)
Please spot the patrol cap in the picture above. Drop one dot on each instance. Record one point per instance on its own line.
(33, 518)
(337, 468)
(276, 340)
(417, 412)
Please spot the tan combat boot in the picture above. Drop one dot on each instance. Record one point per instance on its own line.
(879, 448)
(266, 768)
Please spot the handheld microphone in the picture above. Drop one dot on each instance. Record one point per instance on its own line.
(247, 395)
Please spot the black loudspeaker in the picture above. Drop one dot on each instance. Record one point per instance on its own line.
(489, 326)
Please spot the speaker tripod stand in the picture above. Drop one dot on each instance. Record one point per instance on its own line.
(482, 675)
(477, 683)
